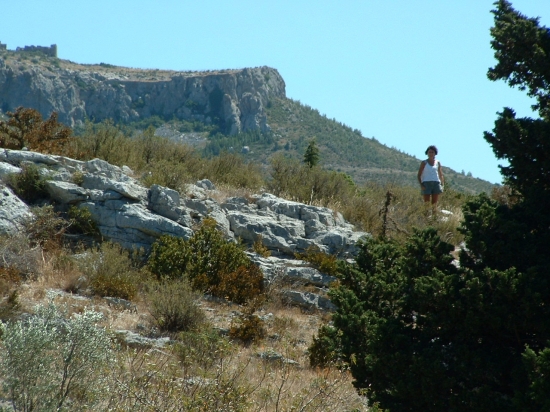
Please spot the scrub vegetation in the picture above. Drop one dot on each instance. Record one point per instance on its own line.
(441, 310)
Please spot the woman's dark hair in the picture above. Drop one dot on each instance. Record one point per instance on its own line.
(432, 147)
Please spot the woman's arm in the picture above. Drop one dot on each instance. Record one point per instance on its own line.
(440, 173)
(420, 170)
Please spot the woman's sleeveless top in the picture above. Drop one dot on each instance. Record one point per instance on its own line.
(429, 174)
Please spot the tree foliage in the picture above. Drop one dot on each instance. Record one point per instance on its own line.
(25, 128)
(420, 333)
(519, 231)
(311, 156)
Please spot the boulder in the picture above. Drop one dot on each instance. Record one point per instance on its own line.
(13, 211)
(7, 169)
(166, 202)
(65, 192)
(127, 188)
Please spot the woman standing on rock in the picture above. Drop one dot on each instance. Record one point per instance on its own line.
(430, 176)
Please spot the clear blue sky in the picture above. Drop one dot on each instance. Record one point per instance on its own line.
(409, 73)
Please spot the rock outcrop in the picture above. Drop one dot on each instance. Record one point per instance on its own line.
(233, 99)
(134, 216)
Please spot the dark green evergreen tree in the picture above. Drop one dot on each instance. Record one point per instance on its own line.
(311, 156)
(517, 235)
(420, 334)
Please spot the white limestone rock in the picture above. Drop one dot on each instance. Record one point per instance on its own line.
(13, 212)
(65, 192)
(7, 169)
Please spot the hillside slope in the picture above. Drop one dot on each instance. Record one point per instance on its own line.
(218, 110)
(342, 148)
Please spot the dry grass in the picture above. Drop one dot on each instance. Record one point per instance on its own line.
(270, 375)
(225, 191)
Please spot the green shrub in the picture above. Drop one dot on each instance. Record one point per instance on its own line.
(202, 348)
(248, 328)
(111, 271)
(324, 350)
(173, 306)
(170, 257)
(29, 185)
(211, 263)
(81, 221)
(326, 263)
(50, 361)
(45, 228)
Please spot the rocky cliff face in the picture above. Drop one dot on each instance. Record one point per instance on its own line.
(233, 99)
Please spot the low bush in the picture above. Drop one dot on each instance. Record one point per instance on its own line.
(157, 381)
(25, 128)
(10, 306)
(202, 349)
(111, 271)
(53, 362)
(20, 256)
(242, 286)
(231, 169)
(211, 264)
(105, 141)
(29, 185)
(173, 306)
(259, 248)
(78, 178)
(81, 221)
(325, 263)
(285, 325)
(392, 212)
(46, 228)
(312, 185)
(168, 174)
(248, 328)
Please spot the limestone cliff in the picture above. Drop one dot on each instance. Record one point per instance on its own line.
(233, 99)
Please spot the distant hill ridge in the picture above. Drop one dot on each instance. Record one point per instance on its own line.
(234, 100)
(237, 102)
